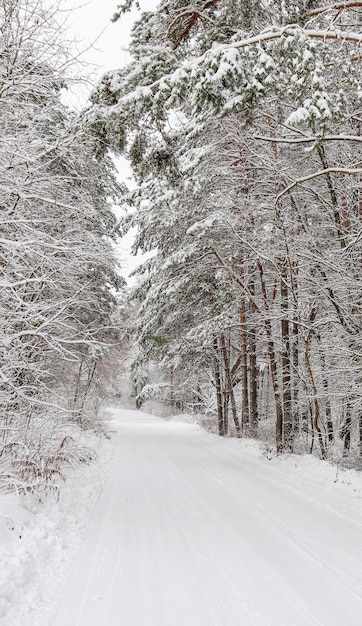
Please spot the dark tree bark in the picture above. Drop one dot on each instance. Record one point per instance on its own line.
(219, 402)
(230, 388)
(272, 365)
(347, 430)
(244, 357)
(285, 361)
(253, 372)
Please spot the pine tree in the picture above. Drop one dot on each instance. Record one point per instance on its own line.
(245, 140)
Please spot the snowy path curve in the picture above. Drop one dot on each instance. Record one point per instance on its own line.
(187, 532)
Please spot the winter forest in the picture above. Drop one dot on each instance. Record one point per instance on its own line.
(242, 123)
(182, 446)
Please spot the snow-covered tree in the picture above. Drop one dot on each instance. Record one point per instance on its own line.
(58, 273)
(243, 128)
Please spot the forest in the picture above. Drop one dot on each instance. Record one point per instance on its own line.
(242, 124)
(59, 280)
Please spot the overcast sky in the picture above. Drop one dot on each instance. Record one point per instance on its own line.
(104, 45)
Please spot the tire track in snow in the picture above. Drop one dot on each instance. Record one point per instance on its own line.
(186, 534)
(259, 574)
(342, 545)
(338, 564)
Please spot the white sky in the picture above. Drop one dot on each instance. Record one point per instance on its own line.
(104, 47)
(103, 44)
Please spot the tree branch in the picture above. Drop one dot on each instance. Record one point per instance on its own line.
(337, 6)
(340, 35)
(328, 170)
(291, 140)
(194, 15)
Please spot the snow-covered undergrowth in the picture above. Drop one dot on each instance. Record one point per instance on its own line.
(39, 540)
(33, 460)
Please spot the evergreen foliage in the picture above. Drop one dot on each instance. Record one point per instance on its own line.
(242, 124)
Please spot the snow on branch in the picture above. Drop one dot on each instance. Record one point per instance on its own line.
(313, 139)
(224, 59)
(193, 14)
(337, 6)
(189, 13)
(328, 170)
(313, 34)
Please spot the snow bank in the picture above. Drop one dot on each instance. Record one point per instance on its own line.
(12, 519)
(305, 473)
(37, 547)
(308, 473)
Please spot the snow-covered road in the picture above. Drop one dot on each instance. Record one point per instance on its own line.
(189, 532)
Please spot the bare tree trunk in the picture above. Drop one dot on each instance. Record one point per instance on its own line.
(329, 423)
(253, 373)
(347, 430)
(77, 387)
(295, 365)
(328, 412)
(333, 195)
(316, 426)
(244, 362)
(225, 408)
(295, 353)
(285, 361)
(219, 402)
(91, 373)
(172, 396)
(230, 385)
(273, 367)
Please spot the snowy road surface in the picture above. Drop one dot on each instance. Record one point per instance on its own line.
(188, 533)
